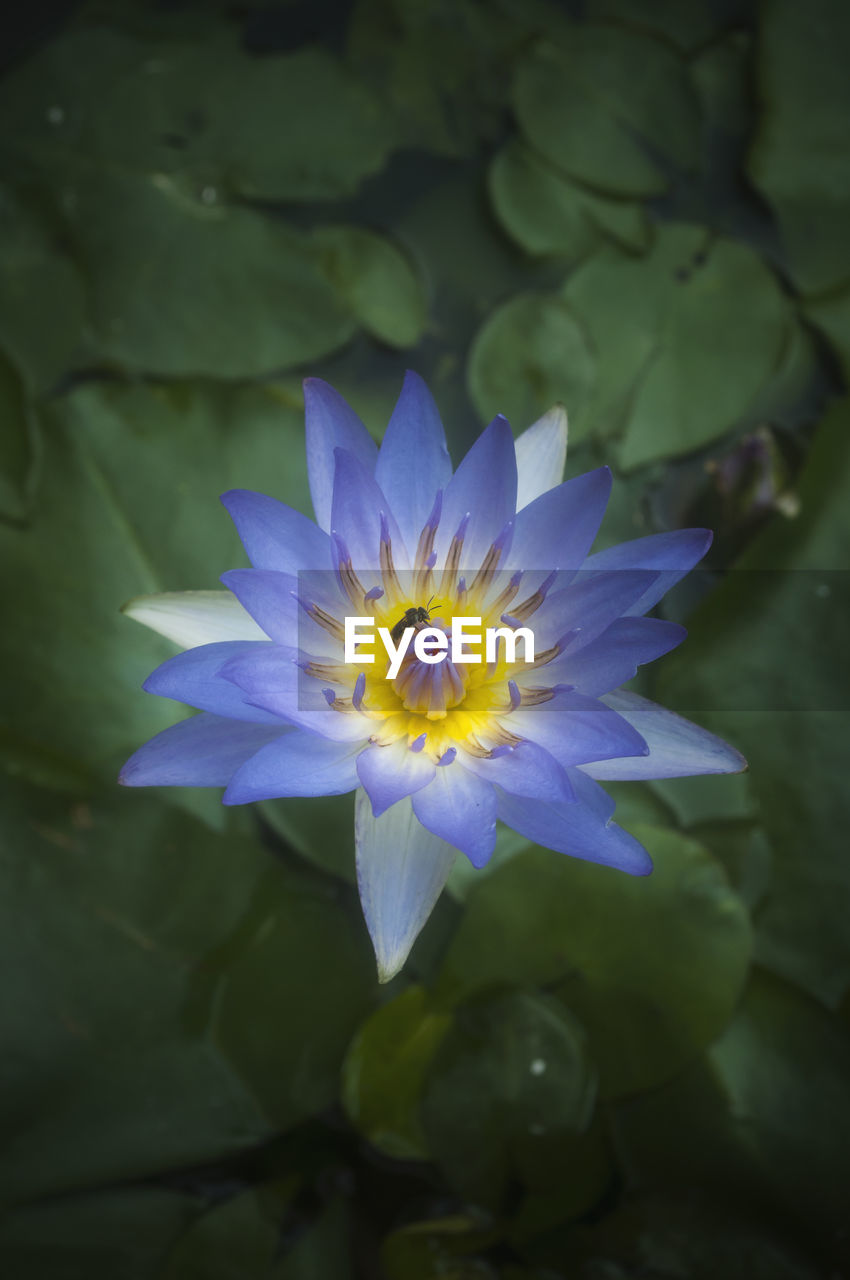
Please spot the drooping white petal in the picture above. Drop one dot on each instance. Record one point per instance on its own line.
(541, 453)
(401, 871)
(191, 618)
(677, 748)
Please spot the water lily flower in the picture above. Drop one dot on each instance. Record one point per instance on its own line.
(441, 750)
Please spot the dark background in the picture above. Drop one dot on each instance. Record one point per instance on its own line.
(639, 209)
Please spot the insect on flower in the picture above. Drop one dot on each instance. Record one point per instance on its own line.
(415, 616)
(438, 740)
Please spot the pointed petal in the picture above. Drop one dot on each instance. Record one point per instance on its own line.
(541, 453)
(575, 729)
(203, 751)
(331, 424)
(269, 678)
(587, 607)
(358, 503)
(461, 808)
(194, 677)
(582, 830)
(557, 529)
(525, 770)
(401, 871)
(677, 748)
(276, 536)
(391, 773)
(192, 618)
(485, 486)
(672, 555)
(301, 764)
(413, 462)
(615, 655)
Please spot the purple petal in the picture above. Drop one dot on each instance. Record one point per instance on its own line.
(485, 486)
(203, 751)
(270, 679)
(582, 830)
(576, 729)
(358, 507)
(193, 677)
(587, 607)
(672, 555)
(331, 424)
(391, 773)
(270, 598)
(557, 530)
(460, 808)
(615, 656)
(525, 770)
(677, 748)
(401, 871)
(301, 764)
(413, 462)
(276, 536)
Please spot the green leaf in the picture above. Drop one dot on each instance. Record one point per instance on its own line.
(128, 505)
(832, 316)
(687, 23)
(443, 1247)
(377, 280)
(201, 107)
(236, 1240)
(110, 909)
(528, 355)
(385, 1069)
(511, 1077)
(652, 967)
(687, 338)
(323, 1250)
(746, 1123)
(20, 443)
(181, 284)
(293, 995)
(764, 667)
(799, 159)
(41, 292)
(320, 828)
(547, 213)
(122, 1234)
(611, 107)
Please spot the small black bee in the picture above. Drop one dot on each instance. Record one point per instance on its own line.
(413, 617)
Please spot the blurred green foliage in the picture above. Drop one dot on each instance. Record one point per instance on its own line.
(637, 209)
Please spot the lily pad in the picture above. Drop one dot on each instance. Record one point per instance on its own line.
(687, 339)
(385, 1070)
(128, 505)
(377, 280)
(200, 106)
(547, 213)
(611, 107)
(799, 159)
(745, 1123)
(512, 1074)
(529, 354)
(42, 296)
(765, 668)
(123, 1234)
(653, 967)
(181, 284)
(109, 908)
(20, 443)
